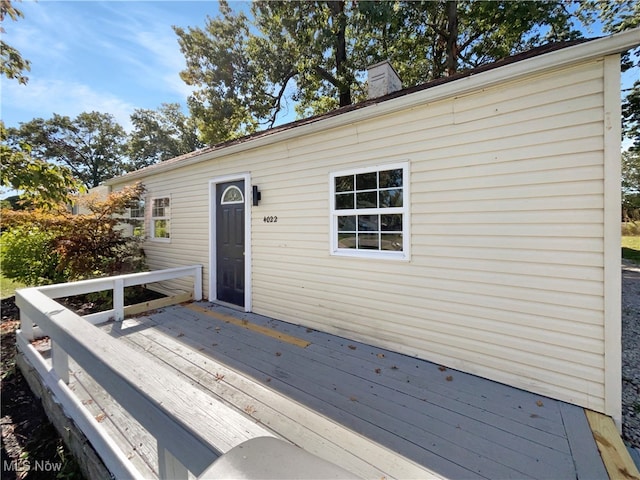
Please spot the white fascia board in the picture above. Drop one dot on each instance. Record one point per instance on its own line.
(583, 52)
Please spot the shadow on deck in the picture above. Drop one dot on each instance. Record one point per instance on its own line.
(374, 412)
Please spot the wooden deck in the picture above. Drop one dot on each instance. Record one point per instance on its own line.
(374, 412)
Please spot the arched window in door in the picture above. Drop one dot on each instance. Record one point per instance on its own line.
(232, 194)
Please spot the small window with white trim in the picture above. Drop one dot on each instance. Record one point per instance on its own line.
(161, 219)
(136, 210)
(136, 213)
(370, 212)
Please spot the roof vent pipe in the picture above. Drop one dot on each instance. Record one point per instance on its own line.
(382, 79)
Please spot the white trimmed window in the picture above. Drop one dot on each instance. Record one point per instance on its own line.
(137, 209)
(136, 212)
(161, 219)
(370, 212)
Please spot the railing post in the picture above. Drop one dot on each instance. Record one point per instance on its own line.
(26, 327)
(60, 362)
(118, 299)
(169, 467)
(197, 283)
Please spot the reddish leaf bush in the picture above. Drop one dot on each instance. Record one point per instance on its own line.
(52, 246)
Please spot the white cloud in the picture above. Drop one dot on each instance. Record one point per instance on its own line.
(43, 98)
(48, 33)
(153, 49)
(166, 59)
(111, 57)
(143, 40)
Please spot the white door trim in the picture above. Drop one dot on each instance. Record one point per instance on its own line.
(247, 235)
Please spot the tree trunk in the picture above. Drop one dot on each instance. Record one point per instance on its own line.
(340, 26)
(452, 37)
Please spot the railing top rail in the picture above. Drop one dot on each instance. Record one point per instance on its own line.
(140, 385)
(185, 420)
(107, 283)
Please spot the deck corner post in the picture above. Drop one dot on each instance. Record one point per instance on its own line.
(60, 362)
(26, 327)
(197, 283)
(118, 299)
(169, 467)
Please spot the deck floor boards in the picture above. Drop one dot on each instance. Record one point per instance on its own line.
(454, 424)
(377, 413)
(281, 415)
(372, 408)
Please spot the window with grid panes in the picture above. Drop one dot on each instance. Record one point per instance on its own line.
(161, 218)
(136, 212)
(369, 212)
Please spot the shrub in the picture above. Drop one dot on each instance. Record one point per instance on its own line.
(57, 246)
(28, 255)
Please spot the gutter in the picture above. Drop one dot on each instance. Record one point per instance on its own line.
(583, 52)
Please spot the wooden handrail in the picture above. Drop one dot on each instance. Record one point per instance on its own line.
(119, 282)
(168, 410)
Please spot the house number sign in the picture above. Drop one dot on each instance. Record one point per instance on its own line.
(272, 219)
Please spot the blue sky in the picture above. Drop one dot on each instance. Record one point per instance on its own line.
(107, 56)
(111, 57)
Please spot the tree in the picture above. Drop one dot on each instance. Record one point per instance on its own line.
(13, 65)
(631, 117)
(159, 135)
(630, 185)
(313, 45)
(314, 53)
(40, 182)
(37, 180)
(243, 76)
(92, 146)
(616, 17)
(56, 246)
(223, 108)
(630, 175)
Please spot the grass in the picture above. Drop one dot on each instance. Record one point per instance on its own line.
(631, 241)
(631, 249)
(8, 287)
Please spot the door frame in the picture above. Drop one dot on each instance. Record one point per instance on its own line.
(213, 207)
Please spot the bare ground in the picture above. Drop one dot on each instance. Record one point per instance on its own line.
(31, 447)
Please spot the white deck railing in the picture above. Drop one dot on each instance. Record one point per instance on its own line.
(167, 410)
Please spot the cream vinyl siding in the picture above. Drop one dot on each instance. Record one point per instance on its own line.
(505, 276)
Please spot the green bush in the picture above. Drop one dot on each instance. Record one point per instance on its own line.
(28, 255)
(631, 248)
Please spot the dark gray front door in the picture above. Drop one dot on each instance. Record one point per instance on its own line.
(230, 242)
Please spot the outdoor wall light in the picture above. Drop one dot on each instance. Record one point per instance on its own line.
(257, 196)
